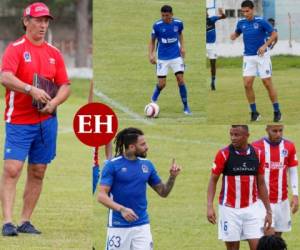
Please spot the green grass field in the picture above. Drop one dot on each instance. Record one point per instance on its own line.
(229, 105)
(121, 67)
(124, 79)
(179, 222)
(64, 210)
(123, 73)
(218, 136)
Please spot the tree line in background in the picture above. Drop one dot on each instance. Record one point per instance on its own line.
(78, 10)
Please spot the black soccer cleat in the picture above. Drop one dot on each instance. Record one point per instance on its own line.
(255, 116)
(212, 86)
(277, 116)
(9, 229)
(28, 228)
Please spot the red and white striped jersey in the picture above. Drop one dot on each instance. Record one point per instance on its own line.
(279, 158)
(238, 191)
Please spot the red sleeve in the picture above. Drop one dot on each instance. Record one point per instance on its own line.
(10, 60)
(61, 76)
(261, 157)
(218, 165)
(292, 160)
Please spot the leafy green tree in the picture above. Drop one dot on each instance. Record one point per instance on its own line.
(78, 10)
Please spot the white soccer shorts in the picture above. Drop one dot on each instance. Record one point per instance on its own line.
(162, 67)
(257, 66)
(281, 216)
(237, 224)
(130, 238)
(211, 51)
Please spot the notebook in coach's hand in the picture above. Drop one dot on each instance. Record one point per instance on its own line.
(48, 86)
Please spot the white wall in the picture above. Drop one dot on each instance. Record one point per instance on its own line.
(282, 8)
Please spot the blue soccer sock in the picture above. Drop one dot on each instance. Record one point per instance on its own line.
(156, 93)
(276, 106)
(253, 107)
(183, 94)
(213, 78)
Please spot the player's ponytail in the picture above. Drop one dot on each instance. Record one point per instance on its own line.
(126, 137)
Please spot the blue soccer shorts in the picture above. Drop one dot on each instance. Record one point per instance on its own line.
(35, 141)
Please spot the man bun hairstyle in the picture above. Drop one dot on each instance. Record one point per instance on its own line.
(126, 137)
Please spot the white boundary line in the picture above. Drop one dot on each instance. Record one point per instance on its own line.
(64, 130)
(164, 138)
(121, 107)
(187, 141)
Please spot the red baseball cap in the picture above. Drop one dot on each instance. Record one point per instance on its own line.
(37, 9)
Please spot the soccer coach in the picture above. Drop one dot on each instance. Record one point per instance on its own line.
(29, 132)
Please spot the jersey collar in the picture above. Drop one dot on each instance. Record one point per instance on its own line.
(272, 143)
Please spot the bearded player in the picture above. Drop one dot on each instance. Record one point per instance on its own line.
(123, 188)
(281, 165)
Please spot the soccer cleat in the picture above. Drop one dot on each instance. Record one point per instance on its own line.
(255, 116)
(277, 116)
(9, 229)
(212, 86)
(28, 228)
(187, 110)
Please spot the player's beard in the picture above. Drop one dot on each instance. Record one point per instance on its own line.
(141, 154)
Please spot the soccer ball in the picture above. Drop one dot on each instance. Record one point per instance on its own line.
(151, 110)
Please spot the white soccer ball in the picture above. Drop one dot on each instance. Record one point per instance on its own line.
(151, 110)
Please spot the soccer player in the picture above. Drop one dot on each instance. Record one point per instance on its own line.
(29, 132)
(242, 166)
(170, 53)
(281, 162)
(211, 43)
(256, 57)
(123, 190)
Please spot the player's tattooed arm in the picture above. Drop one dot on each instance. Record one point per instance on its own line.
(163, 189)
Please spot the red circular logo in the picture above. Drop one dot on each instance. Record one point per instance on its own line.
(95, 124)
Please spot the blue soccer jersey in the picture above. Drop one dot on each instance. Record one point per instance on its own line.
(211, 29)
(167, 35)
(128, 181)
(254, 33)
